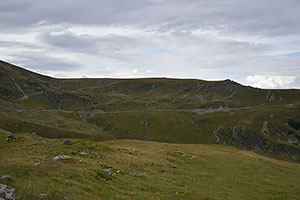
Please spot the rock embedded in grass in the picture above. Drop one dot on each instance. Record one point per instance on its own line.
(67, 142)
(10, 138)
(169, 158)
(6, 177)
(109, 171)
(136, 174)
(86, 153)
(61, 157)
(7, 193)
(42, 196)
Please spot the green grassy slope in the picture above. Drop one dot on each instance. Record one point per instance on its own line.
(157, 109)
(51, 125)
(171, 171)
(123, 94)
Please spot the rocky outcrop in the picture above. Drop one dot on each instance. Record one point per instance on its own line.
(226, 85)
(240, 136)
(7, 94)
(33, 86)
(56, 98)
(270, 96)
(245, 137)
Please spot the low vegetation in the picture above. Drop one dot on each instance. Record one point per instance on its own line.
(168, 171)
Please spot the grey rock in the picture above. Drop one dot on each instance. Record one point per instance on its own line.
(136, 174)
(109, 171)
(10, 138)
(169, 157)
(63, 157)
(265, 129)
(37, 164)
(67, 142)
(86, 153)
(7, 193)
(6, 177)
(81, 161)
(42, 196)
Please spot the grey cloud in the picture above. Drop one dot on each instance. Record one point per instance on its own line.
(17, 45)
(66, 11)
(70, 41)
(88, 44)
(42, 63)
(263, 17)
(237, 38)
(12, 6)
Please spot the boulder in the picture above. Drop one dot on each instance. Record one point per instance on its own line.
(7, 193)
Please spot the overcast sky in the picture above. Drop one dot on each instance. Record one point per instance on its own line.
(254, 42)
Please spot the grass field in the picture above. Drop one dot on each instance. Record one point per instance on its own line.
(171, 171)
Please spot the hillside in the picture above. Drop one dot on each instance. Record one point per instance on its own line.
(158, 109)
(131, 169)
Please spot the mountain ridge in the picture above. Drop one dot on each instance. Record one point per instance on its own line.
(155, 109)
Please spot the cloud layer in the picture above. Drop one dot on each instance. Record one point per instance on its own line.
(253, 42)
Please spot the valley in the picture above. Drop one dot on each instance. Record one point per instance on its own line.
(155, 138)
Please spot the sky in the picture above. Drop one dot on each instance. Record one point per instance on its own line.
(255, 42)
